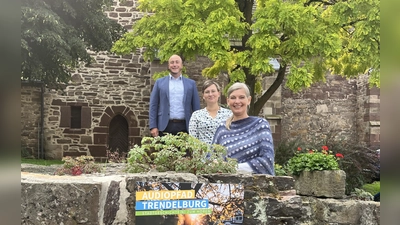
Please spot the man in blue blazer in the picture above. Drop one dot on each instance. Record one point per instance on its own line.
(173, 100)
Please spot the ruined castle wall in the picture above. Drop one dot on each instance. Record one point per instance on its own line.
(323, 109)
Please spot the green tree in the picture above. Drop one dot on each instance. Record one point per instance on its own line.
(56, 34)
(310, 37)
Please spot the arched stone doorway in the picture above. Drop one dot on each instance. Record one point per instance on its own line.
(111, 120)
(118, 133)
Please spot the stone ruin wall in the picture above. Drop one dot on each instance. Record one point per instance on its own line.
(112, 85)
(345, 107)
(368, 113)
(320, 110)
(30, 118)
(110, 199)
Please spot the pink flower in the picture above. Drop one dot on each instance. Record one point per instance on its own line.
(76, 171)
(310, 151)
(298, 149)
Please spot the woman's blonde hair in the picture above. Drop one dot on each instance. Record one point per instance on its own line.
(234, 87)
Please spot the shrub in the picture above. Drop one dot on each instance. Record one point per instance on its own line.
(181, 153)
(77, 166)
(360, 163)
(373, 188)
(360, 194)
(280, 170)
(311, 160)
(286, 150)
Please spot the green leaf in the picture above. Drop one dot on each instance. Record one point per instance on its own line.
(311, 38)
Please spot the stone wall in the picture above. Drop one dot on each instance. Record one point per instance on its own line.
(112, 85)
(30, 118)
(272, 109)
(97, 200)
(368, 113)
(347, 108)
(124, 12)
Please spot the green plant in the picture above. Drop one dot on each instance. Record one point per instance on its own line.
(372, 188)
(360, 194)
(311, 160)
(181, 153)
(280, 170)
(79, 165)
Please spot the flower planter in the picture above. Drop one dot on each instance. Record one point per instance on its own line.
(325, 183)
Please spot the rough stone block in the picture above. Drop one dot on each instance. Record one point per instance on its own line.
(100, 138)
(59, 201)
(340, 211)
(325, 183)
(86, 140)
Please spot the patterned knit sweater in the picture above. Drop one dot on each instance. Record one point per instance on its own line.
(249, 141)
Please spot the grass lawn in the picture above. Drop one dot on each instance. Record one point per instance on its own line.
(42, 162)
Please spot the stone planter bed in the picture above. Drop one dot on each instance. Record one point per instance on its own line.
(108, 198)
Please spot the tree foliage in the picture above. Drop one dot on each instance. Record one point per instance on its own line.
(56, 34)
(310, 37)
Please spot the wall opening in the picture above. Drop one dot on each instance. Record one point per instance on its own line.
(118, 134)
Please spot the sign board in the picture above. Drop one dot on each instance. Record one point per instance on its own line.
(188, 203)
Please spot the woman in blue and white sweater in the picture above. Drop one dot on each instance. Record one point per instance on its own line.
(246, 138)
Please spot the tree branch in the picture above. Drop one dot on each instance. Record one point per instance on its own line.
(353, 22)
(378, 42)
(271, 90)
(321, 1)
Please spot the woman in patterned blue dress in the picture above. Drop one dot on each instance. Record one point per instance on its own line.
(246, 138)
(204, 122)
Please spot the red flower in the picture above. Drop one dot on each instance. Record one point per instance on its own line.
(298, 149)
(339, 155)
(310, 151)
(325, 148)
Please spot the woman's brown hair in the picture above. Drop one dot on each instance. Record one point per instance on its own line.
(208, 83)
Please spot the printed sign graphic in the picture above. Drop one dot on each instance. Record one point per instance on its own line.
(189, 203)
